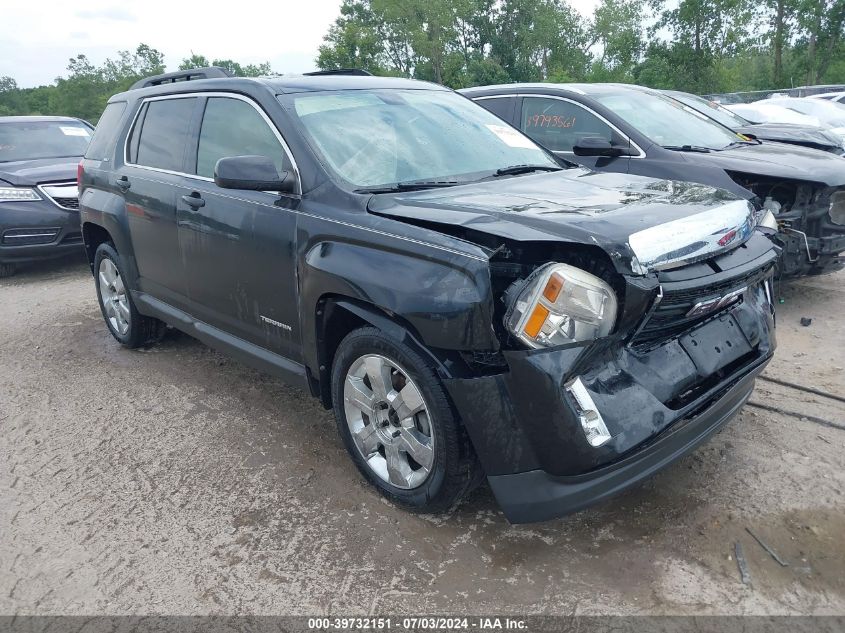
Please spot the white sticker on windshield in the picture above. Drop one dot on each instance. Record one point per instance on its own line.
(511, 137)
(73, 131)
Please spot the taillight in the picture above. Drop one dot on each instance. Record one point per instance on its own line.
(80, 172)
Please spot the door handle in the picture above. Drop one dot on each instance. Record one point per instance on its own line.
(123, 183)
(194, 201)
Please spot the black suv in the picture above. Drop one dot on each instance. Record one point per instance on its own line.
(637, 130)
(467, 303)
(39, 217)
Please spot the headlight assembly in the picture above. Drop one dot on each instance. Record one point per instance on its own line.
(14, 194)
(561, 304)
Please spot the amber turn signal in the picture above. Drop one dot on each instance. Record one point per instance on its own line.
(536, 320)
(553, 288)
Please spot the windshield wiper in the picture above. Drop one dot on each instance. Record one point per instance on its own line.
(411, 185)
(514, 170)
(688, 148)
(741, 143)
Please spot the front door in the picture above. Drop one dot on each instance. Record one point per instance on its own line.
(238, 247)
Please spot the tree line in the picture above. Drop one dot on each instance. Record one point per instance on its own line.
(85, 90)
(700, 46)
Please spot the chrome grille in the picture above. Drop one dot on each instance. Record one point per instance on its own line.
(62, 194)
(669, 320)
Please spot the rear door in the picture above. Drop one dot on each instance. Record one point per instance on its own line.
(558, 124)
(150, 179)
(239, 246)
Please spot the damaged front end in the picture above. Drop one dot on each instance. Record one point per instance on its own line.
(629, 332)
(810, 220)
(567, 426)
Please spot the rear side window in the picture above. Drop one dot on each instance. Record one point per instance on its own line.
(559, 125)
(106, 131)
(502, 107)
(231, 127)
(164, 127)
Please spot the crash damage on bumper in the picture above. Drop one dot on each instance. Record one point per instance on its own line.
(559, 428)
(810, 219)
(659, 393)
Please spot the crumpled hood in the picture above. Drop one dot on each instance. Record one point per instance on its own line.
(776, 160)
(28, 173)
(642, 223)
(792, 133)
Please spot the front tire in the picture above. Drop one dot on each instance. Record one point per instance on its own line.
(125, 323)
(7, 270)
(396, 421)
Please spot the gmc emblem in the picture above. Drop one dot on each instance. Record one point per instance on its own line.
(727, 238)
(712, 305)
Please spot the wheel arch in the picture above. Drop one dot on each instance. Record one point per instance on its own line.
(439, 301)
(93, 235)
(335, 316)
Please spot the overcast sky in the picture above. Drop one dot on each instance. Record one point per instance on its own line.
(38, 37)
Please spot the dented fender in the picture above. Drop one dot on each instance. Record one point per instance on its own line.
(442, 294)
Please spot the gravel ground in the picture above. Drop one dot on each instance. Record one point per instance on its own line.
(177, 481)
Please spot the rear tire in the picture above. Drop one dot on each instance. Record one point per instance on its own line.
(7, 270)
(398, 425)
(126, 324)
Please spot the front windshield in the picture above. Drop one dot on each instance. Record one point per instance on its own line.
(714, 111)
(373, 138)
(31, 140)
(667, 122)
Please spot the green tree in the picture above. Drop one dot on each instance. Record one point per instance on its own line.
(618, 34)
(194, 61)
(237, 69)
(821, 29)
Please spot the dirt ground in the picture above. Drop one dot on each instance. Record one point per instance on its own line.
(177, 481)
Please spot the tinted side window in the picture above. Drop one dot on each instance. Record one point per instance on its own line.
(559, 124)
(502, 107)
(164, 129)
(231, 127)
(102, 143)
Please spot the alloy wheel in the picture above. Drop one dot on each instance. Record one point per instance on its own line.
(389, 421)
(113, 295)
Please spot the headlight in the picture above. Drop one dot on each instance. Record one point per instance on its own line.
(562, 304)
(10, 194)
(837, 208)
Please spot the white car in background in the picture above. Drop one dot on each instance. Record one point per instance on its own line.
(765, 112)
(829, 114)
(836, 97)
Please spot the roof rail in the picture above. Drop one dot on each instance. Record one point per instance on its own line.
(358, 72)
(210, 72)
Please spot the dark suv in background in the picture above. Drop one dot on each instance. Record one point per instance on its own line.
(39, 216)
(636, 130)
(467, 303)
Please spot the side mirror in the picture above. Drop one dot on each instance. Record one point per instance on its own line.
(599, 146)
(256, 173)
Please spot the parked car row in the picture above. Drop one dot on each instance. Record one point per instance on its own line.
(496, 291)
(635, 130)
(779, 126)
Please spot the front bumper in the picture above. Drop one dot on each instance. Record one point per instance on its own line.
(537, 496)
(658, 403)
(832, 245)
(37, 230)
